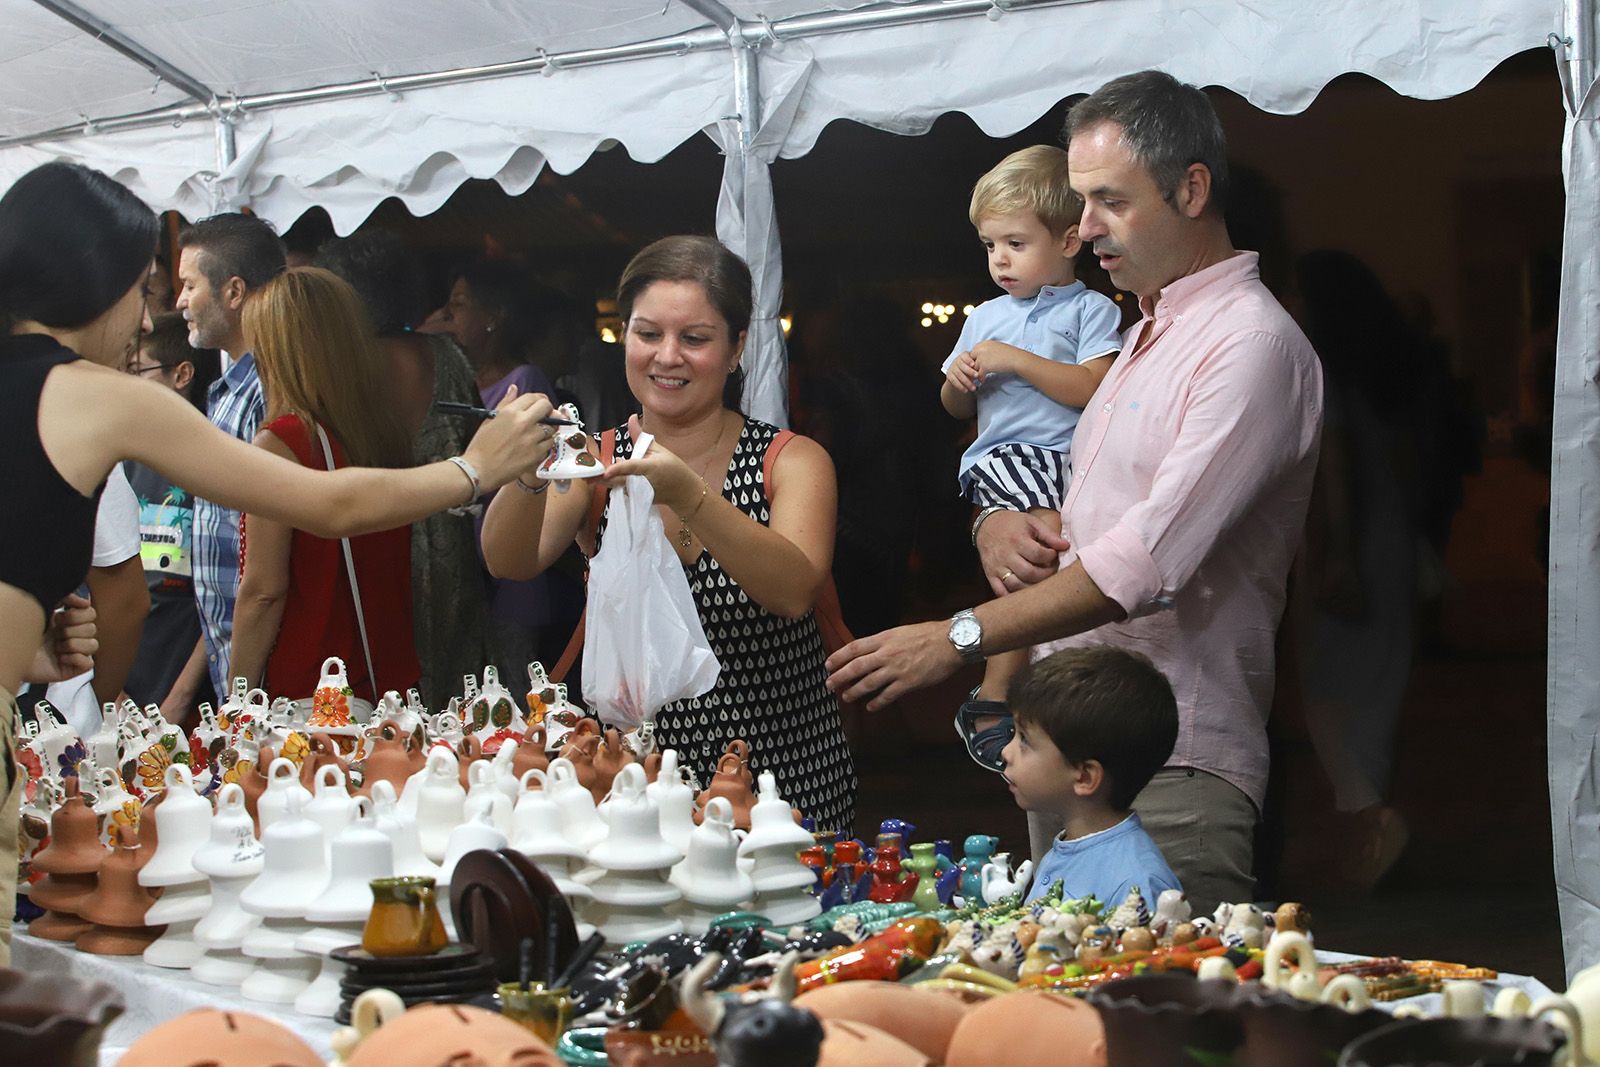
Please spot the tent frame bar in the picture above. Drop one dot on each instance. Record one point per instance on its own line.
(118, 41)
(751, 34)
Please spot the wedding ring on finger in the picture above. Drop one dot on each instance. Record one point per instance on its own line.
(1007, 576)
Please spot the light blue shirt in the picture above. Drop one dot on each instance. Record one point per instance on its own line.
(1067, 324)
(235, 406)
(1106, 865)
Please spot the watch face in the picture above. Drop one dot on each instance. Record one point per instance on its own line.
(965, 632)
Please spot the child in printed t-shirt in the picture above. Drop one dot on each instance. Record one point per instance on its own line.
(1027, 362)
(1093, 727)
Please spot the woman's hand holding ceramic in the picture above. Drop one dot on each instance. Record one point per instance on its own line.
(514, 441)
(69, 643)
(676, 484)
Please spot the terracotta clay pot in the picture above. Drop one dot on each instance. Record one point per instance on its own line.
(470, 752)
(610, 757)
(74, 846)
(1158, 1019)
(388, 760)
(531, 755)
(849, 1044)
(51, 1018)
(254, 783)
(118, 905)
(220, 1039)
(444, 1033)
(324, 752)
(925, 1019)
(733, 782)
(1031, 1027)
(581, 746)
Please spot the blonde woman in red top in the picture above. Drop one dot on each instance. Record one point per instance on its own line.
(328, 397)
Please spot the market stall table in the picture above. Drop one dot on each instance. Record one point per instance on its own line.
(154, 995)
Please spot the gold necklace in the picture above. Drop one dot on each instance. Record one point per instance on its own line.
(685, 538)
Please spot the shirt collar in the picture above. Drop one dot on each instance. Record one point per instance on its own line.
(1127, 825)
(1051, 294)
(238, 375)
(1192, 289)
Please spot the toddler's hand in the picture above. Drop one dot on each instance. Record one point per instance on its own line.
(992, 357)
(963, 373)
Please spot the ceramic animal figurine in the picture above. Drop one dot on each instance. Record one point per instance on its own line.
(1246, 927)
(1172, 909)
(753, 1029)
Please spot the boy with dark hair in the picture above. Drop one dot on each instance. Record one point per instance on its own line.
(1093, 727)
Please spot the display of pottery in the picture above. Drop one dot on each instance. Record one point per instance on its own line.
(732, 781)
(230, 859)
(782, 883)
(294, 875)
(674, 800)
(400, 827)
(70, 864)
(440, 802)
(118, 905)
(536, 833)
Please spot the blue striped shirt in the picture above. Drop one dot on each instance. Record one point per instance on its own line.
(235, 406)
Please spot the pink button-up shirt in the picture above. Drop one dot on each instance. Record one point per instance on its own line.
(1191, 472)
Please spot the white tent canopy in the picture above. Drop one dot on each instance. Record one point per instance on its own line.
(285, 104)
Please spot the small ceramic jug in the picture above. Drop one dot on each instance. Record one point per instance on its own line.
(404, 920)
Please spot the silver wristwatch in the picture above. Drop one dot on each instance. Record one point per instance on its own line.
(966, 634)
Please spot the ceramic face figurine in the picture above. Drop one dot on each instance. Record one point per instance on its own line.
(219, 1039)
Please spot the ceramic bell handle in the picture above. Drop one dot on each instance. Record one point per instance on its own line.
(1303, 984)
(1348, 992)
(719, 810)
(630, 781)
(250, 698)
(374, 1008)
(480, 772)
(331, 662)
(330, 781)
(1562, 1012)
(1511, 1004)
(384, 797)
(230, 798)
(562, 771)
(283, 764)
(363, 809)
(442, 763)
(532, 774)
(178, 774)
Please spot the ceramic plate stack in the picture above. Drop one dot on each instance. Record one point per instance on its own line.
(456, 974)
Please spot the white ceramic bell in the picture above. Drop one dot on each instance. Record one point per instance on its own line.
(331, 807)
(710, 875)
(282, 971)
(401, 830)
(361, 852)
(505, 775)
(283, 782)
(230, 859)
(485, 791)
(633, 841)
(536, 833)
(179, 909)
(772, 822)
(783, 884)
(183, 825)
(580, 823)
(571, 457)
(294, 871)
(323, 996)
(440, 802)
(478, 831)
(674, 802)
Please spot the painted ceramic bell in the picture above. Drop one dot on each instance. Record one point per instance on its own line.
(283, 783)
(118, 905)
(183, 822)
(561, 717)
(491, 715)
(571, 457)
(114, 804)
(330, 701)
(440, 802)
(732, 780)
(361, 852)
(674, 801)
(294, 869)
(710, 876)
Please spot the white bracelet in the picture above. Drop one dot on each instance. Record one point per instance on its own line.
(472, 476)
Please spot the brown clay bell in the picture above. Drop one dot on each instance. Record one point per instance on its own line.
(610, 756)
(733, 783)
(581, 745)
(254, 782)
(530, 755)
(387, 760)
(118, 904)
(74, 846)
(470, 751)
(324, 753)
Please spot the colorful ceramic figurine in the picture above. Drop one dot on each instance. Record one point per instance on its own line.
(976, 852)
(890, 883)
(571, 457)
(927, 866)
(491, 715)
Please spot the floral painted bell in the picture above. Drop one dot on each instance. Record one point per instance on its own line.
(571, 457)
(491, 715)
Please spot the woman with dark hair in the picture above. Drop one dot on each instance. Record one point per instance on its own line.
(756, 551)
(75, 250)
(448, 595)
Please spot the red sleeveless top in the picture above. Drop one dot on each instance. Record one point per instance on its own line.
(319, 615)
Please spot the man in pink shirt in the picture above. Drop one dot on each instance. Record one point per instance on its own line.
(1191, 472)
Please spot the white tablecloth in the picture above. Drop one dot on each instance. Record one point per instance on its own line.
(152, 994)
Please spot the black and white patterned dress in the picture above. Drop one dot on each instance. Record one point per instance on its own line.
(771, 691)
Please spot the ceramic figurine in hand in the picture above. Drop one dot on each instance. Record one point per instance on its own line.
(571, 457)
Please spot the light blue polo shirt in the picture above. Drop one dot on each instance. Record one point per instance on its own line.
(1068, 324)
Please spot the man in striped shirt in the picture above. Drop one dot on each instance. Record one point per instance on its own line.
(222, 258)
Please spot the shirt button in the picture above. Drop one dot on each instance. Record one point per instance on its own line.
(1106, 408)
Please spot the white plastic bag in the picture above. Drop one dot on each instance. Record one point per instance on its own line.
(643, 645)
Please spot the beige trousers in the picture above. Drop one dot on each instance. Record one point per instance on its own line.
(1204, 826)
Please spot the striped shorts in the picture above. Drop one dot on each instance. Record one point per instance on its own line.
(1019, 477)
